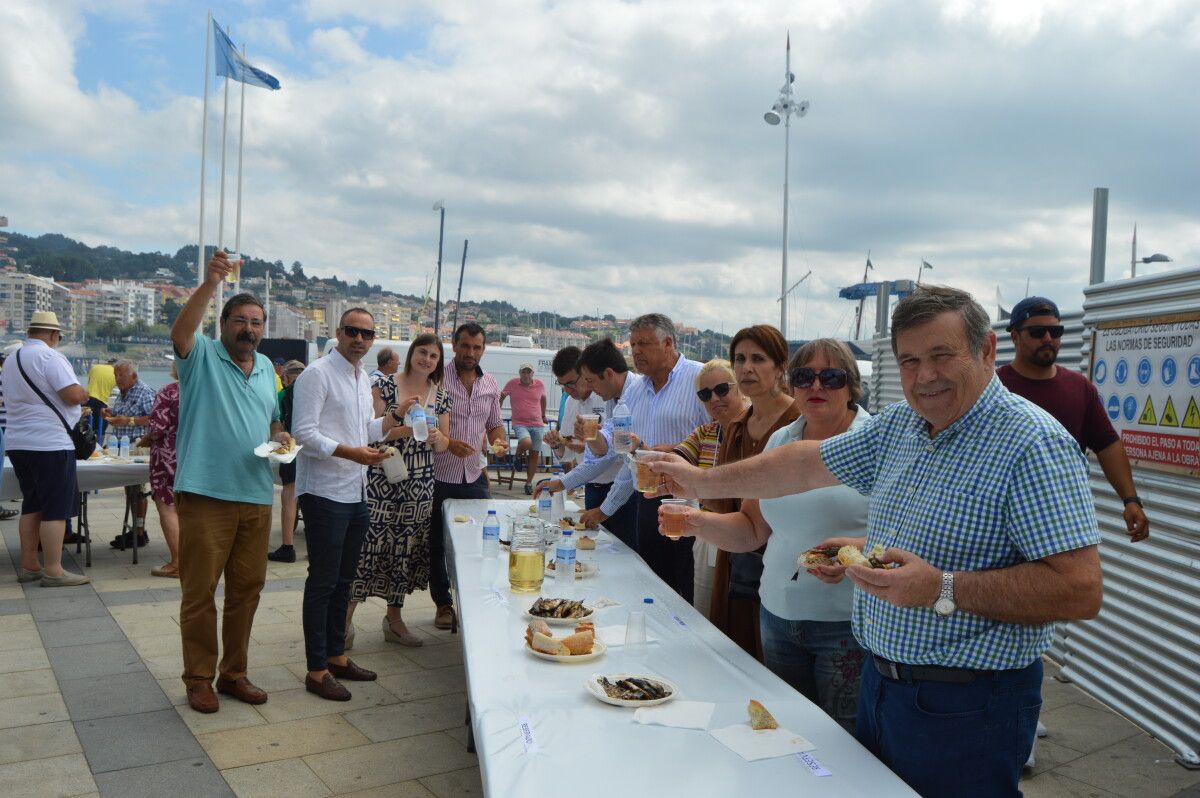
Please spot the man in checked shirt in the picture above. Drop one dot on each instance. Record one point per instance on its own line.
(129, 415)
(982, 503)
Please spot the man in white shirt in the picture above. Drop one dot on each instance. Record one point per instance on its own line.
(580, 399)
(332, 418)
(40, 448)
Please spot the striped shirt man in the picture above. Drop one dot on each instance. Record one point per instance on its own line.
(472, 413)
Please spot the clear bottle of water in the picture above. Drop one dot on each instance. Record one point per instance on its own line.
(418, 422)
(491, 535)
(545, 507)
(123, 446)
(564, 559)
(110, 443)
(622, 428)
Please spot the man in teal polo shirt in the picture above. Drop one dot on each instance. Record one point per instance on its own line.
(224, 492)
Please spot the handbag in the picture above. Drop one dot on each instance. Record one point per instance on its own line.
(83, 437)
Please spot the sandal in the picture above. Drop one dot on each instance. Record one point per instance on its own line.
(405, 639)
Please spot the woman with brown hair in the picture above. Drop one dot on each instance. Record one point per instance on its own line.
(759, 355)
(395, 554)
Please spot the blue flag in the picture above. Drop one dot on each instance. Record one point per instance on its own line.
(231, 64)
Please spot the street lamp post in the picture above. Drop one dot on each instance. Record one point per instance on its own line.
(783, 110)
(1134, 260)
(437, 302)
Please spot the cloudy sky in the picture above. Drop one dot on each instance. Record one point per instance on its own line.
(612, 156)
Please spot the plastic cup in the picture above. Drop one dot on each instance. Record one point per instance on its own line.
(647, 480)
(635, 633)
(591, 426)
(673, 515)
(235, 260)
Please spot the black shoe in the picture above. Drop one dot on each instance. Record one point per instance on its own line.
(125, 541)
(282, 554)
(72, 537)
(7, 514)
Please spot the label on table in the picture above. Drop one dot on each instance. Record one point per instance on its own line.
(503, 599)
(679, 620)
(813, 765)
(527, 738)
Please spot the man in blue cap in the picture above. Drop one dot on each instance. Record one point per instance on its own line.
(1070, 397)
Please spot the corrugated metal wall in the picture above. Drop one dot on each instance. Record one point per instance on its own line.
(1141, 655)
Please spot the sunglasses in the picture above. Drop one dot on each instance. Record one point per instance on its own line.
(705, 394)
(804, 377)
(1039, 330)
(358, 332)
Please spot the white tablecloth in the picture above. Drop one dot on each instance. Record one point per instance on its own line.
(92, 475)
(586, 748)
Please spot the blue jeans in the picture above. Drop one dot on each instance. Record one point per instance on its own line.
(334, 532)
(622, 523)
(820, 659)
(953, 739)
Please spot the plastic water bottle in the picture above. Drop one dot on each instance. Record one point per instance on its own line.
(123, 446)
(110, 442)
(545, 507)
(622, 428)
(491, 535)
(564, 559)
(416, 420)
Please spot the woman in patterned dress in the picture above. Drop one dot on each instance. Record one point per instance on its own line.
(160, 437)
(395, 554)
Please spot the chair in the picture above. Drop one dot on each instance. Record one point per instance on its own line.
(509, 460)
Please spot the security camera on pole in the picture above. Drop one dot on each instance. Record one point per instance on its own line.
(783, 110)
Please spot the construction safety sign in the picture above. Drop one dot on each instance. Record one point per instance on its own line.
(1148, 374)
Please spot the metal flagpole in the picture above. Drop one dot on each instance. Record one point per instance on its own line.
(204, 151)
(237, 235)
(219, 298)
(458, 297)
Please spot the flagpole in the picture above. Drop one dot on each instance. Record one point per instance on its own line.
(219, 298)
(237, 236)
(204, 151)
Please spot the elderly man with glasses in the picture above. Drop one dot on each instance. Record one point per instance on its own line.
(223, 491)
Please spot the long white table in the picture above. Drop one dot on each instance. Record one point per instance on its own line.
(586, 748)
(92, 475)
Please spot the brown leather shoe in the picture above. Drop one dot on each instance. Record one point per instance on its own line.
(444, 618)
(351, 672)
(328, 688)
(201, 698)
(242, 690)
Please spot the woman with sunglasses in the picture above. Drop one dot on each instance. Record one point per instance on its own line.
(759, 354)
(717, 390)
(395, 555)
(805, 627)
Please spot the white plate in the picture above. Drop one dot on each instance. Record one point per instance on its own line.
(587, 570)
(559, 621)
(598, 650)
(593, 687)
(267, 450)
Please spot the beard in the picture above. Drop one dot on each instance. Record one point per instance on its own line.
(1045, 356)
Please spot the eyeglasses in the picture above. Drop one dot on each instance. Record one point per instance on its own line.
(245, 322)
(705, 394)
(804, 377)
(358, 332)
(1039, 330)
(569, 384)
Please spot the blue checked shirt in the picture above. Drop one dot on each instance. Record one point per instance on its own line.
(137, 401)
(1002, 485)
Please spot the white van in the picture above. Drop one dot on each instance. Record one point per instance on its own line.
(502, 362)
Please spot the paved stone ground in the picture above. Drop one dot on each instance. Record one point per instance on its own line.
(92, 703)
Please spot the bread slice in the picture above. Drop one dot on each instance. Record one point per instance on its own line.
(580, 642)
(851, 555)
(548, 645)
(585, 542)
(760, 718)
(585, 626)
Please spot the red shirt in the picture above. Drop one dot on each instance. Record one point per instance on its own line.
(1072, 399)
(526, 402)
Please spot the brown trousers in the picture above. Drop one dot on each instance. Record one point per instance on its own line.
(219, 537)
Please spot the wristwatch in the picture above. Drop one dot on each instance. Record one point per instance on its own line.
(1133, 499)
(398, 419)
(945, 606)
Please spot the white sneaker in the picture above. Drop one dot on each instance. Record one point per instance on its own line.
(1029, 763)
(1041, 729)
(67, 579)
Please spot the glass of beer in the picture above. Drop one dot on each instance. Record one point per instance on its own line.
(647, 480)
(591, 425)
(235, 260)
(526, 556)
(672, 518)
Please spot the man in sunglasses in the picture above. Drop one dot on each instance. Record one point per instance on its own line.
(223, 491)
(1070, 397)
(334, 420)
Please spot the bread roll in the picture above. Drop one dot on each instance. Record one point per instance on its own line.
(548, 645)
(586, 543)
(580, 642)
(760, 718)
(851, 555)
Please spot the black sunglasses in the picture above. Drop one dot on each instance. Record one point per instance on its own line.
(804, 377)
(705, 394)
(357, 332)
(1039, 330)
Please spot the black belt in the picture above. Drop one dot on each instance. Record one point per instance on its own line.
(926, 673)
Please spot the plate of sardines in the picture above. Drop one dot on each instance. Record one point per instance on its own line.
(630, 690)
(559, 611)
